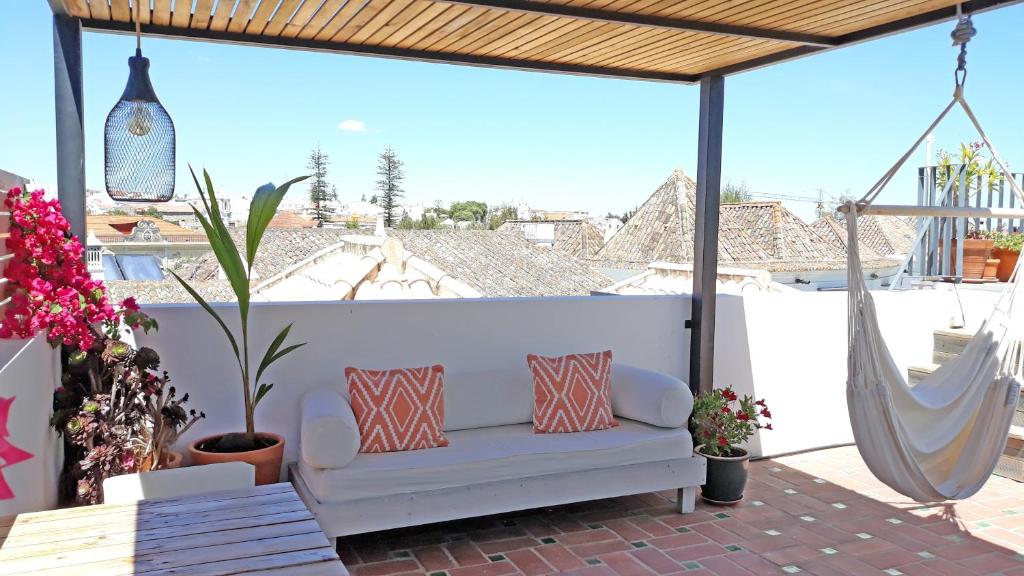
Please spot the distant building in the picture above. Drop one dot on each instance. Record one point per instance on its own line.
(574, 237)
(607, 225)
(752, 235)
(291, 220)
(137, 248)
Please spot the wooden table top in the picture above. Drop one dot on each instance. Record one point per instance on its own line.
(257, 531)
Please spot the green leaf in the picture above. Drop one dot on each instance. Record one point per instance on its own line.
(206, 306)
(278, 356)
(261, 211)
(264, 388)
(274, 346)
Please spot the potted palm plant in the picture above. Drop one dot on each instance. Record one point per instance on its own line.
(264, 450)
(720, 422)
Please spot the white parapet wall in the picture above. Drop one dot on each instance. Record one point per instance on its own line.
(29, 454)
(791, 349)
(463, 335)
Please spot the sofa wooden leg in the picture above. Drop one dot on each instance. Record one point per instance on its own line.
(686, 499)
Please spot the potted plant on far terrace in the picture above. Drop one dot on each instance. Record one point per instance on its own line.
(721, 421)
(1007, 250)
(264, 450)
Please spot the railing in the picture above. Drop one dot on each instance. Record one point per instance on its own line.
(956, 187)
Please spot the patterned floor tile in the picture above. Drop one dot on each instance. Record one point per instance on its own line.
(815, 513)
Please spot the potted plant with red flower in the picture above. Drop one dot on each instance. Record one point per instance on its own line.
(721, 421)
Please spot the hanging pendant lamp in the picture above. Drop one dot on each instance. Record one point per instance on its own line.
(138, 138)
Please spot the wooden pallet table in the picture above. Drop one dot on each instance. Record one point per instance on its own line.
(259, 531)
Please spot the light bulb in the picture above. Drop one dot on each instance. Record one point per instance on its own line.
(141, 121)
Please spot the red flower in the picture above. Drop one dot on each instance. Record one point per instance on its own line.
(726, 410)
(723, 441)
(742, 416)
(766, 413)
(768, 426)
(728, 394)
(761, 403)
(130, 304)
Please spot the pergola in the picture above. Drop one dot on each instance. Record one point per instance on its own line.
(695, 41)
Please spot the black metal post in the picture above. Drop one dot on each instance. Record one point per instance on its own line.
(67, 85)
(705, 248)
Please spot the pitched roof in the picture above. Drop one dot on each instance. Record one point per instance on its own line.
(112, 225)
(760, 235)
(280, 249)
(168, 290)
(884, 235)
(497, 264)
(574, 237)
(291, 220)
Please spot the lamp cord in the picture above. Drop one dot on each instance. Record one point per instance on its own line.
(138, 28)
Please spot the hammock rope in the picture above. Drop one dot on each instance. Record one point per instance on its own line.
(941, 438)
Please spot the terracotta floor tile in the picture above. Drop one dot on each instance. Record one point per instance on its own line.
(834, 498)
(529, 562)
(624, 564)
(559, 557)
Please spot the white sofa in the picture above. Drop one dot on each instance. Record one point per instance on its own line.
(495, 463)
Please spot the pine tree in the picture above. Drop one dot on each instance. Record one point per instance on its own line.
(390, 175)
(320, 192)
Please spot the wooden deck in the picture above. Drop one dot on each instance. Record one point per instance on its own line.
(258, 531)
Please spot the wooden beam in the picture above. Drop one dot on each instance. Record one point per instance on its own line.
(929, 18)
(705, 237)
(70, 120)
(648, 20)
(355, 49)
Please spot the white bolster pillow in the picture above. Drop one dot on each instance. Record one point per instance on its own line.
(648, 396)
(330, 434)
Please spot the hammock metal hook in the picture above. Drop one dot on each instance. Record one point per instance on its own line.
(962, 34)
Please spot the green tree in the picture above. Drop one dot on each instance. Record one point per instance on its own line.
(352, 224)
(151, 212)
(390, 174)
(468, 211)
(320, 191)
(735, 193)
(499, 215)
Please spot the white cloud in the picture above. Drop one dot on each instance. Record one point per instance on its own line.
(352, 126)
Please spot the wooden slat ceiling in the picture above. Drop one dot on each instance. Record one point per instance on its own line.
(669, 40)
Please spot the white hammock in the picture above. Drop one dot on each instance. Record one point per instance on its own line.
(942, 438)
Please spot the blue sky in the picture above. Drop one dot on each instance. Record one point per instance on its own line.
(832, 122)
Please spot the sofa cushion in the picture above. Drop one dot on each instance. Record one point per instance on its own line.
(495, 454)
(649, 396)
(398, 409)
(329, 433)
(572, 393)
(487, 398)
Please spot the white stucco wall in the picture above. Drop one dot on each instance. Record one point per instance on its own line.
(29, 373)
(791, 350)
(462, 335)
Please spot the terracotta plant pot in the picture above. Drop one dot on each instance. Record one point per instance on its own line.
(266, 460)
(976, 252)
(171, 460)
(726, 479)
(1007, 262)
(991, 266)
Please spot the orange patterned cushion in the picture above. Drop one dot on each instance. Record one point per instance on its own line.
(399, 409)
(572, 393)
